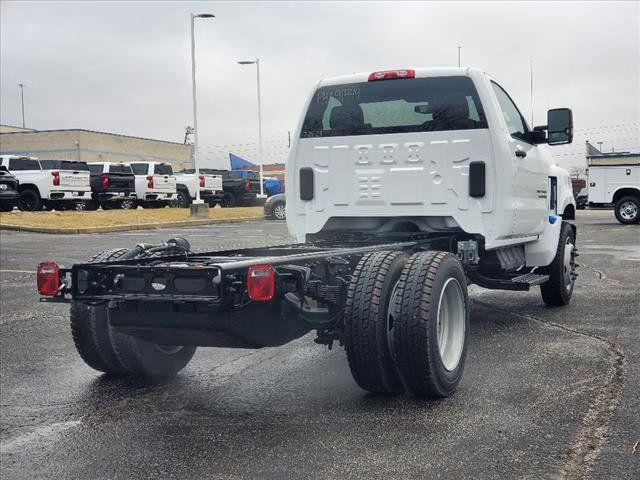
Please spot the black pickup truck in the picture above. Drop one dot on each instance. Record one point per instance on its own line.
(8, 191)
(112, 186)
(241, 188)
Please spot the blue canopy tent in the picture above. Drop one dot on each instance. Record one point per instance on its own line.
(239, 163)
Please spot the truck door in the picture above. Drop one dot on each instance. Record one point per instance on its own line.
(530, 170)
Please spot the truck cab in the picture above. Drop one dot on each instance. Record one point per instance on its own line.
(155, 183)
(433, 149)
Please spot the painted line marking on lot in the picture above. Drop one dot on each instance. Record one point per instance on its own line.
(17, 271)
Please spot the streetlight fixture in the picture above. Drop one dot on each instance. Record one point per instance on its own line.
(195, 110)
(257, 63)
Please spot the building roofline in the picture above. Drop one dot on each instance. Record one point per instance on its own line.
(614, 155)
(16, 126)
(92, 131)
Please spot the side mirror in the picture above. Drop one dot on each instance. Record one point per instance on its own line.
(3, 168)
(560, 126)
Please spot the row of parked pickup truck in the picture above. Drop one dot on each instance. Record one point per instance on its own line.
(33, 184)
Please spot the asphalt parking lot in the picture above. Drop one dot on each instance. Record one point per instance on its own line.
(547, 393)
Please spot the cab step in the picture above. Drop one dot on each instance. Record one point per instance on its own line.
(531, 279)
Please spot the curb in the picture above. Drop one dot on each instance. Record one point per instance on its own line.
(127, 228)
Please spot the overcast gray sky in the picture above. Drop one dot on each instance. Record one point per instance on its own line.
(125, 67)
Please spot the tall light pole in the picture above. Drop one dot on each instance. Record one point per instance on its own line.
(195, 109)
(21, 85)
(257, 63)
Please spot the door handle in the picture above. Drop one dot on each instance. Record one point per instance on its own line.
(521, 153)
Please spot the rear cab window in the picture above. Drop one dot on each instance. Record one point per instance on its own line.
(23, 164)
(139, 168)
(119, 168)
(163, 169)
(64, 165)
(97, 168)
(394, 106)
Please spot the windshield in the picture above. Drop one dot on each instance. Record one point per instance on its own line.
(63, 165)
(394, 106)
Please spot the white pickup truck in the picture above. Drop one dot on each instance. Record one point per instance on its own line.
(615, 179)
(403, 187)
(57, 184)
(187, 184)
(155, 184)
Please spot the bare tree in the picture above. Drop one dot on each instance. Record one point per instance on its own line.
(576, 172)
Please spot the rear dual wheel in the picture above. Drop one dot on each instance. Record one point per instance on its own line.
(406, 323)
(108, 350)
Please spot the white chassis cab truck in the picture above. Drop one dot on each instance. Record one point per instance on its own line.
(56, 184)
(403, 187)
(616, 180)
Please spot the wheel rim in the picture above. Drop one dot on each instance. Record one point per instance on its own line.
(27, 203)
(451, 324)
(81, 206)
(279, 212)
(569, 265)
(628, 210)
(126, 204)
(169, 349)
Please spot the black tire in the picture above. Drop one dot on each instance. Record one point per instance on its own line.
(90, 328)
(627, 210)
(228, 200)
(107, 350)
(91, 205)
(367, 325)
(184, 199)
(428, 279)
(558, 290)
(146, 359)
(29, 201)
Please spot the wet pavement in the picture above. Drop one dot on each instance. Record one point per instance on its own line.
(547, 393)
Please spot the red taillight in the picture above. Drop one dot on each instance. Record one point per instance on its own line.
(48, 278)
(149, 181)
(104, 180)
(391, 74)
(56, 178)
(247, 185)
(261, 283)
(201, 177)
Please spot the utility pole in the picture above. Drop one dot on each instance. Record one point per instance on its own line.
(21, 85)
(531, 85)
(459, 48)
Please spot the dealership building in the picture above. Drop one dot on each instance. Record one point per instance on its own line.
(91, 146)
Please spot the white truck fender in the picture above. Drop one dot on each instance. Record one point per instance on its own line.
(542, 252)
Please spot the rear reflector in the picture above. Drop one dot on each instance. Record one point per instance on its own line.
(48, 278)
(392, 74)
(261, 283)
(104, 180)
(201, 177)
(56, 178)
(149, 181)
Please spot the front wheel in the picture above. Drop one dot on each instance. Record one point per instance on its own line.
(627, 210)
(183, 200)
(29, 201)
(557, 291)
(431, 329)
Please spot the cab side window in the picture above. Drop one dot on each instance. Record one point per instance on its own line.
(511, 114)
